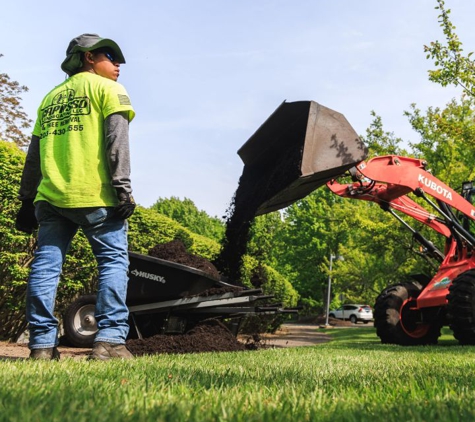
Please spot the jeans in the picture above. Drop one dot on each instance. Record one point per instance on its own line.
(108, 238)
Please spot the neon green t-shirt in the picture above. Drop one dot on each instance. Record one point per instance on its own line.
(70, 125)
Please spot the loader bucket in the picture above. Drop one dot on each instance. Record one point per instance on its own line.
(300, 147)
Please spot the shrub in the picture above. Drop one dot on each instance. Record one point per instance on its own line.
(147, 229)
(257, 275)
(17, 248)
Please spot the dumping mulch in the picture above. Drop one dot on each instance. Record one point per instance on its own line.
(257, 185)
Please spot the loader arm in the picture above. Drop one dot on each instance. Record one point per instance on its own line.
(388, 180)
(382, 195)
(404, 175)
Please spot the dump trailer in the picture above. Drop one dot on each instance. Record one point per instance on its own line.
(165, 297)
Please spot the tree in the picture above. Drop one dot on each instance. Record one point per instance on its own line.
(453, 67)
(381, 142)
(448, 134)
(306, 242)
(265, 238)
(186, 213)
(447, 139)
(13, 120)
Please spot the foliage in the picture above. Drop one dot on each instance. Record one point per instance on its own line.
(308, 236)
(265, 237)
(447, 134)
(257, 275)
(15, 249)
(379, 253)
(261, 276)
(381, 142)
(187, 214)
(17, 252)
(147, 229)
(446, 137)
(453, 67)
(351, 378)
(13, 120)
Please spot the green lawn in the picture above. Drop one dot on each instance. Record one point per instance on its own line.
(352, 378)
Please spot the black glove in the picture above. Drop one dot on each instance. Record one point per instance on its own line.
(26, 219)
(126, 205)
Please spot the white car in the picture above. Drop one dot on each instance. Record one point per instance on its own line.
(353, 312)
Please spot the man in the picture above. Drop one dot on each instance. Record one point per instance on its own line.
(77, 175)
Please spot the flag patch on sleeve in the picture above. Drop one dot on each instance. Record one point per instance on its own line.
(123, 99)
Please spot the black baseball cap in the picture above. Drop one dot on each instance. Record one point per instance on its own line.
(87, 42)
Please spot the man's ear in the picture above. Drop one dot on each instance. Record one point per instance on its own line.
(89, 57)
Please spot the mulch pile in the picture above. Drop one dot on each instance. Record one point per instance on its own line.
(175, 251)
(209, 336)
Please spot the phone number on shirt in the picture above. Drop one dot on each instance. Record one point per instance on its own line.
(62, 131)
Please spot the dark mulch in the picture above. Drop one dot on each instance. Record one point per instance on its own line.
(175, 251)
(208, 336)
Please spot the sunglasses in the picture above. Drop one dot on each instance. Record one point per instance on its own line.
(108, 53)
(110, 56)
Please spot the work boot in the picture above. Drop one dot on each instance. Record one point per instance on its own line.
(49, 353)
(105, 351)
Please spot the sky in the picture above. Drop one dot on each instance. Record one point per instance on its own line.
(203, 75)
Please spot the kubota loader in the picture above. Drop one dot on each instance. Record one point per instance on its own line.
(413, 312)
(304, 145)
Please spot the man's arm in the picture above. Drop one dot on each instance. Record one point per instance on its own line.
(118, 155)
(30, 179)
(31, 176)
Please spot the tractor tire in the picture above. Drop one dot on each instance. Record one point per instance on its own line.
(394, 320)
(461, 308)
(79, 322)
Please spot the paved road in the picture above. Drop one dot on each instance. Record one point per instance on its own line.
(296, 335)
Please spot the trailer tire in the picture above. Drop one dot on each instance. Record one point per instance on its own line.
(79, 322)
(461, 308)
(394, 321)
